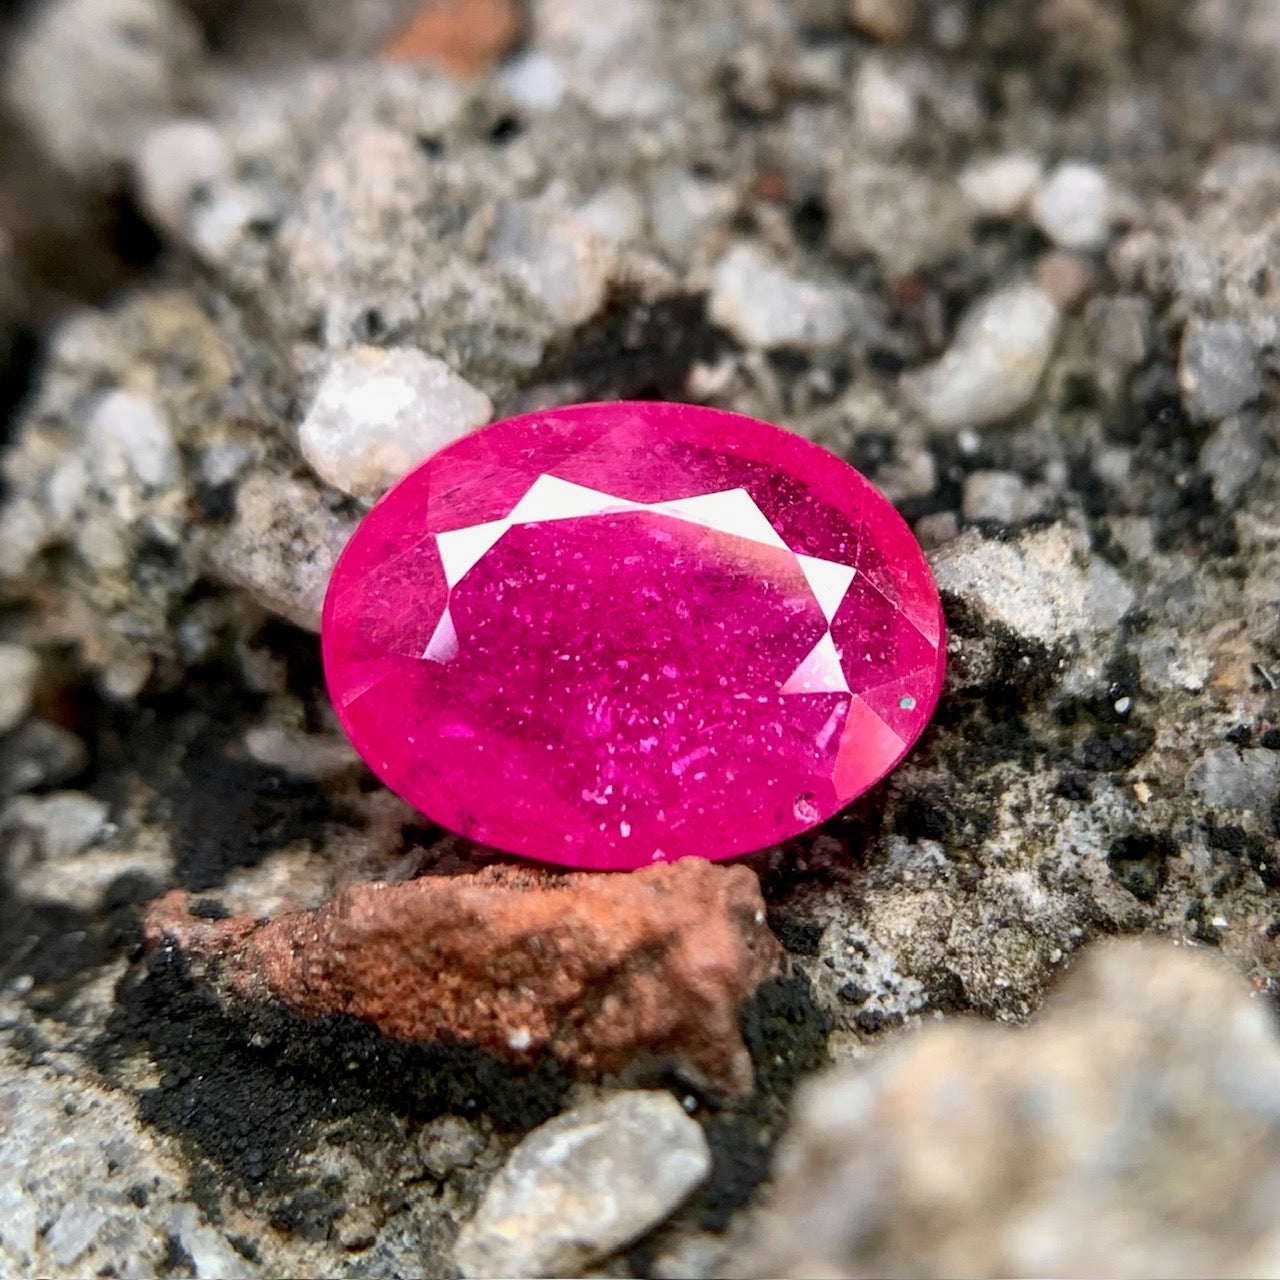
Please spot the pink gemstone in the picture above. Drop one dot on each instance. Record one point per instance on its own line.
(611, 634)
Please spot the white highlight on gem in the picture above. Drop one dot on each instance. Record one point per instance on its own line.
(443, 645)
(550, 498)
(828, 581)
(731, 511)
(820, 672)
(460, 549)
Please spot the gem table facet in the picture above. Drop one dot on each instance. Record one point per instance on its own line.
(611, 634)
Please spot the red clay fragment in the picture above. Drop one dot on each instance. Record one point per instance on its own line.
(467, 37)
(598, 970)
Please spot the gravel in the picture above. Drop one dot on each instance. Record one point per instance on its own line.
(178, 163)
(74, 1156)
(91, 76)
(885, 109)
(583, 1185)
(63, 823)
(127, 440)
(902, 218)
(1231, 457)
(1040, 587)
(557, 257)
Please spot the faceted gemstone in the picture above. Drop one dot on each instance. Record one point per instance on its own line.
(613, 634)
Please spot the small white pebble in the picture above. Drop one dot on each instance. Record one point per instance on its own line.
(884, 106)
(763, 305)
(1073, 208)
(1123, 706)
(1001, 186)
(993, 367)
(378, 413)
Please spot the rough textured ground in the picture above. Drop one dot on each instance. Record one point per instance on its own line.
(1019, 262)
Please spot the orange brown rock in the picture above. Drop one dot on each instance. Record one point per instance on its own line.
(467, 37)
(597, 970)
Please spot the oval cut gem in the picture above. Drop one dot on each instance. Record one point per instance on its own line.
(611, 634)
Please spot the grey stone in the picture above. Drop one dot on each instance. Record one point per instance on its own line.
(1231, 457)
(177, 162)
(306, 755)
(282, 546)
(616, 214)
(559, 260)
(1226, 778)
(994, 365)
(583, 1185)
(220, 223)
(887, 20)
(62, 823)
(211, 1256)
(684, 209)
(1132, 1130)
(994, 495)
(1121, 327)
(71, 1152)
(377, 413)
(39, 754)
(535, 80)
(1218, 369)
(885, 109)
(19, 670)
(447, 1143)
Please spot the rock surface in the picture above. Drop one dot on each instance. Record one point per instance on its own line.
(1077, 1146)
(583, 1185)
(75, 1156)
(592, 970)
(1036, 587)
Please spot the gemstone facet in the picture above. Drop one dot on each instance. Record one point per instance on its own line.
(612, 634)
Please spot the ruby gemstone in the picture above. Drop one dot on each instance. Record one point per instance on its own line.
(612, 634)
